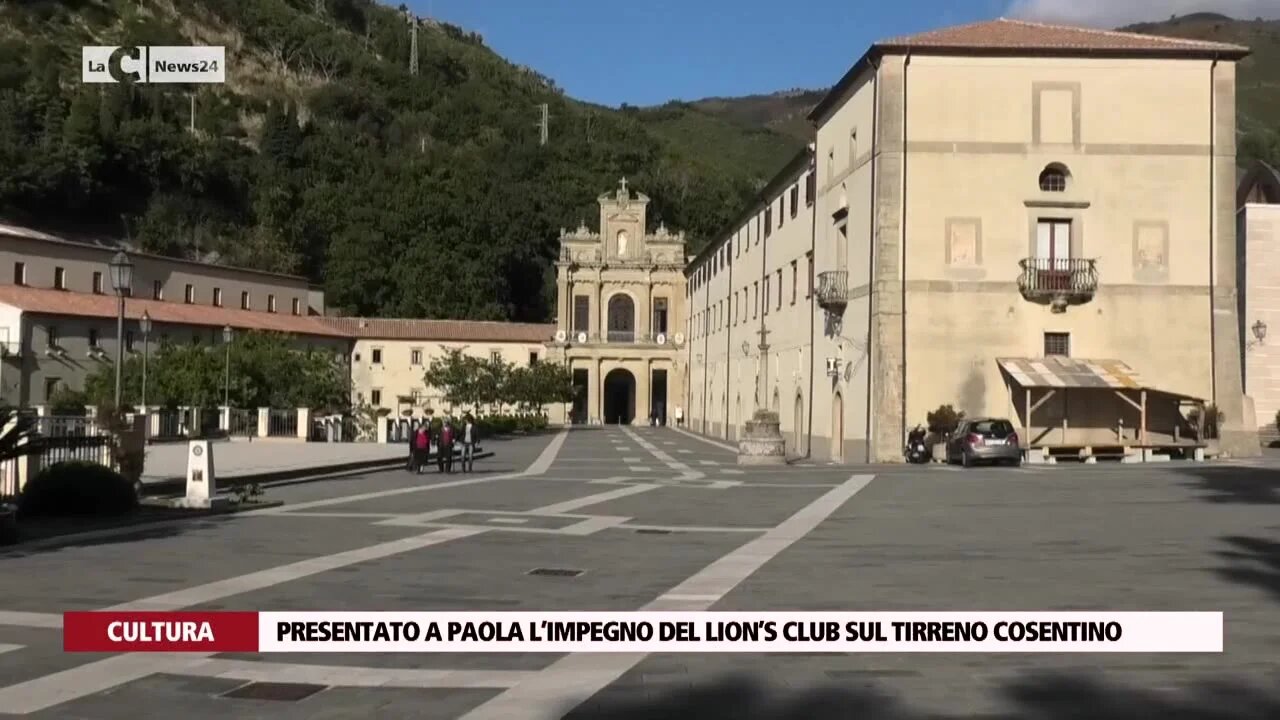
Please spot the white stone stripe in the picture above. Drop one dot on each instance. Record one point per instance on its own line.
(569, 506)
(709, 441)
(576, 677)
(56, 688)
(31, 619)
(346, 676)
(9, 647)
(214, 591)
(693, 528)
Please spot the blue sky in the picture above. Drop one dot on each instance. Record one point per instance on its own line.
(645, 52)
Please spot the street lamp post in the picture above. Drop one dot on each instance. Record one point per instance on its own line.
(226, 385)
(122, 283)
(145, 326)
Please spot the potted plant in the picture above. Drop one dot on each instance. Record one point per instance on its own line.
(941, 423)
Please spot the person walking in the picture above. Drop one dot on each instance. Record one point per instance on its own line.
(470, 435)
(421, 449)
(445, 448)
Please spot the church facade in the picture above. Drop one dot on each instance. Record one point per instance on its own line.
(620, 313)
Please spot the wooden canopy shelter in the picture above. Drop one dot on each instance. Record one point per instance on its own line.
(1034, 382)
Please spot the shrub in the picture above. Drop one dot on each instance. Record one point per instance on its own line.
(944, 420)
(77, 488)
(66, 401)
(1208, 423)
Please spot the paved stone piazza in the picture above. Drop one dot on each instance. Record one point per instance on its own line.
(892, 538)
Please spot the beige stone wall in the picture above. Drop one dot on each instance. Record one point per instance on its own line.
(1261, 302)
(398, 381)
(748, 281)
(846, 167)
(1134, 183)
(79, 263)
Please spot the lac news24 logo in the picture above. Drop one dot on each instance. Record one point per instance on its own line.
(155, 64)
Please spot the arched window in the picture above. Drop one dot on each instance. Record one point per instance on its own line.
(1053, 178)
(622, 319)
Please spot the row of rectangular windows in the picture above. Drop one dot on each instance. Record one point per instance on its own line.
(731, 311)
(415, 357)
(157, 289)
(764, 228)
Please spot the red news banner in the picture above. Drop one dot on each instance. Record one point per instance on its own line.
(567, 632)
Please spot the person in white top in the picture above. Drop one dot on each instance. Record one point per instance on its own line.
(470, 434)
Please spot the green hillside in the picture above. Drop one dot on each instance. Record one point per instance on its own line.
(783, 112)
(422, 194)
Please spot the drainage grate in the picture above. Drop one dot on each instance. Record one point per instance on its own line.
(555, 572)
(280, 692)
(652, 531)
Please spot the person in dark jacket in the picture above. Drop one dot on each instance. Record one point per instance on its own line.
(421, 449)
(444, 448)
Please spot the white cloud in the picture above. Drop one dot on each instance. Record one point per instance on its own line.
(1115, 13)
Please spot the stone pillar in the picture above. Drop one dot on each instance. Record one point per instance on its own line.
(644, 389)
(887, 342)
(264, 418)
(384, 429)
(43, 411)
(562, 304)
(1238, 432)
(602, 322)
(595, 394)
(644, 323)
(224, 419)
(304, 423)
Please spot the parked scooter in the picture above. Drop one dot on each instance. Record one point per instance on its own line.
(916, 451)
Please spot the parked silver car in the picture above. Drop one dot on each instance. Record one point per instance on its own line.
(990, 440)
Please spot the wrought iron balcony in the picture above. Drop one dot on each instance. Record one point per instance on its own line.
(1061, 281)
(833, 290)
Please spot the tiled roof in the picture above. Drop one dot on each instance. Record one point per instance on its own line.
(480, 331)
(1004, 33)
(1022, 37)
(60, 302)
(1065, 372)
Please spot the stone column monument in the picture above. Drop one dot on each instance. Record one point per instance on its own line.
(762, 442)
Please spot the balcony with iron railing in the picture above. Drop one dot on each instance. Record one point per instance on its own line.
(624, 337)
(833, 290)
(1060, 281)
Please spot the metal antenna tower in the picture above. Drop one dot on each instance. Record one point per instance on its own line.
(413, 45)
(544, 124)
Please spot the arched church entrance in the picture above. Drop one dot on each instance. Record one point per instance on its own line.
(619, 397)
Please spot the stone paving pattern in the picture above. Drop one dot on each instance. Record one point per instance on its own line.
(1168, 537)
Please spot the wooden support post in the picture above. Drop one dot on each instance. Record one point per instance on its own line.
(1142, 429)
(1027, 419)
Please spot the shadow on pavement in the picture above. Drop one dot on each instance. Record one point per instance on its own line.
(1234, 484)
(1255, 561)
(1033, 697)
(113, 536)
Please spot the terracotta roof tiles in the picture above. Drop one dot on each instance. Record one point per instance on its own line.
(47, 301)
(446, 330)
(1004, 33)
(1006, 36)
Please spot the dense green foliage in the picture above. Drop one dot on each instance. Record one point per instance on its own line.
(1257, 76)
(408, 195)
(469, 381)
(77, 489)
(266, 371)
